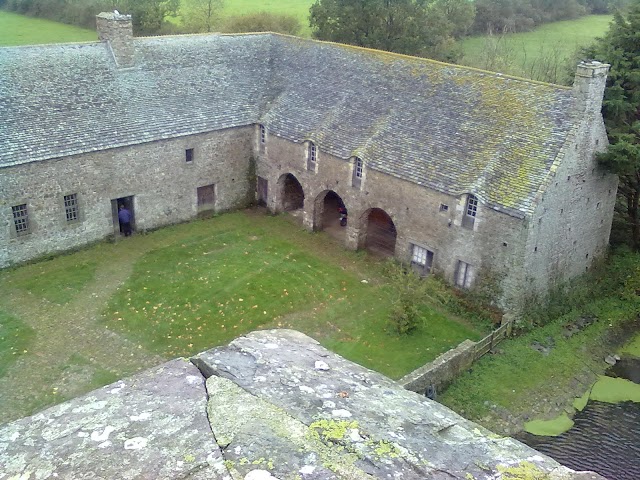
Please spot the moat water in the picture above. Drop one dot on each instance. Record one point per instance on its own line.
(605, 437)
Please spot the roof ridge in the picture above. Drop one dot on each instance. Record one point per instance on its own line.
(427, 60)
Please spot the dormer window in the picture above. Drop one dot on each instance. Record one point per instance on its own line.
(470, 212)
(263, 138)
(356, 179)
(312, 156)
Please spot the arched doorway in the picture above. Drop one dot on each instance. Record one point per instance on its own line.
(292, 195)
(381, 233)
(327, 214)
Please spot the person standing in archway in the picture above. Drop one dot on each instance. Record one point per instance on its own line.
(124, 216)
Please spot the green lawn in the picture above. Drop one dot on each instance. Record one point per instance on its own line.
(519, 51)
(15, 339)
(238, 273)
(22, 30)
(80, 320)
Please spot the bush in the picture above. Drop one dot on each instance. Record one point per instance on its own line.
(262, 22)
(409, 293)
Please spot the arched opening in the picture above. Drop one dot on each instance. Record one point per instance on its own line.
(329, 210)
(381, 233)
(292, 195)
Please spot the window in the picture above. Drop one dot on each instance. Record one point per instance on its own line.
(444, 207)
(470, 212)
(71, 209)
(464, 275)
(421, 259)
(189, 155)
(312, 155)
(206, 197)
(20, 219)
(357, 172)
(263, 138)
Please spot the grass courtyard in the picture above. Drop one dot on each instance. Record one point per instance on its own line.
(75, 322)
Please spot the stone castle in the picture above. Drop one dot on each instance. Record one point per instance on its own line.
(467, 173)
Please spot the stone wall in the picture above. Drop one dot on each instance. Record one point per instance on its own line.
(496, 241)
(442, 371)
(572, 221)
(163, 185)
(271, 405)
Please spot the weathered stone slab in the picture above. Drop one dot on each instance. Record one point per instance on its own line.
(300, 394)
(150, 426)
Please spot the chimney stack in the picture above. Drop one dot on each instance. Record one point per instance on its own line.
(116, 30)
(588, 87)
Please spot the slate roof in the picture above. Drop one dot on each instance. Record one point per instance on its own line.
(451, 128)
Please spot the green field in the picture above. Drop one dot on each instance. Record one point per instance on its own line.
(75, 322)
(297, 8)
(21, 30)
(517, 53)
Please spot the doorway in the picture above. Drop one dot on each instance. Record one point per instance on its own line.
(128, 203)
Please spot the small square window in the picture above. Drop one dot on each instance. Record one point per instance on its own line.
(71, 209)
(444, 207)
(189, 155)
(421, 259)
(20, 219)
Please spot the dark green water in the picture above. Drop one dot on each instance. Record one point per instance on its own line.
(605, 437)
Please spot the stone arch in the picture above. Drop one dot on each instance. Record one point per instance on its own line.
(326, 213)
(380, 232)
(291, 193)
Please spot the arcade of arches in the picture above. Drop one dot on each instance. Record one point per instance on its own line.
(374, 229)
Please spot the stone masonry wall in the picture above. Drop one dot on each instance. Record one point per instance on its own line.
(570, 227)
(495, 242)
(156, 174)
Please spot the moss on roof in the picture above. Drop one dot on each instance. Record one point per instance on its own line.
(451, 128)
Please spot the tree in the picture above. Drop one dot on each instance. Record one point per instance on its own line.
(459, 13)
(621, 109)
(148, 15)
(199, 15)
(413, 27)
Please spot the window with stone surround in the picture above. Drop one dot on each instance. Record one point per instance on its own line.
(189, 155)
(206, 197)
(312, 156)
(358, 169)
(21, 219)
(464, 274)
(71, 208)
(421, 259)
(263, 138)
(470, 212)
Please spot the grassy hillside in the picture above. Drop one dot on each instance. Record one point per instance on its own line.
(517, 53)
(21, 30)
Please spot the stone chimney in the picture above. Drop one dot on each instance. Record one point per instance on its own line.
(588, 86)
(116, 31)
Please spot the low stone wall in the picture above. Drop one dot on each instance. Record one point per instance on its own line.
(441, 372)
